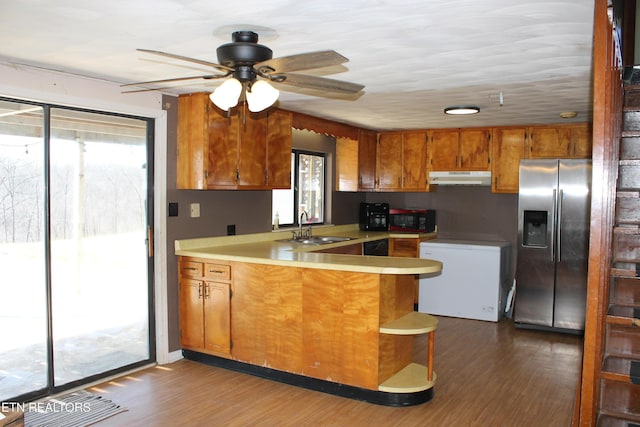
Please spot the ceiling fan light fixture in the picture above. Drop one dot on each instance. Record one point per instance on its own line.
(227, 94)
(261, 95)
(462, 110)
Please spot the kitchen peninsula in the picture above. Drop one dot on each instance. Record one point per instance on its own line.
(315, 316)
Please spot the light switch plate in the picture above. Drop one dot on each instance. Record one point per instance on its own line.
(195, 210)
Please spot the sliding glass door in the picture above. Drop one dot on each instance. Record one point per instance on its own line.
(23, 266)
(88, 300)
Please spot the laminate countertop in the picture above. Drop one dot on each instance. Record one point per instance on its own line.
(275, 249)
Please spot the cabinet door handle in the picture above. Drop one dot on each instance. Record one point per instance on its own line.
(199, 290)
(206, 291)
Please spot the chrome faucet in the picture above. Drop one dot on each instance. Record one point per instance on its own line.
(308, 233)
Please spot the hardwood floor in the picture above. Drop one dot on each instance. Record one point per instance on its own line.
(489, 374)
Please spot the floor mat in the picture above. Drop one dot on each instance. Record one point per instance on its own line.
(77, 409)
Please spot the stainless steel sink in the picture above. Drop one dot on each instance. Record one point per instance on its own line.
(317, 240)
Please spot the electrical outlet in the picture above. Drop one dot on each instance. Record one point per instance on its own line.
(195, 210)
(173, 209)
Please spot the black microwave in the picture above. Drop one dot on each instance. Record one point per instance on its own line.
(412, 220)
(374, 216)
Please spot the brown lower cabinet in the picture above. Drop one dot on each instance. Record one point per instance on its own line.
(205, 314)
(332, 325)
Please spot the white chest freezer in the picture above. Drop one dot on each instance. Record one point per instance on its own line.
(474, 280)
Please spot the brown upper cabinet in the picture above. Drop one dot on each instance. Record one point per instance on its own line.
(366, 169)
(216, 151)
(511, 144)
(414, 161)
(388, 161)
(356, 162)
(401, 161)
(507, 150)
(253, 151)
(560, 141)
(459, 149)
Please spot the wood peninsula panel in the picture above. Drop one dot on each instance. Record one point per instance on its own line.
(340, 337)
(266, 325)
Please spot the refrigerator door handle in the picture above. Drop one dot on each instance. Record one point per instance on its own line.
(554, 225)
(559, 226)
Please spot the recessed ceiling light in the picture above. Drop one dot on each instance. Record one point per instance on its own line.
(462, 109)
(568, 114)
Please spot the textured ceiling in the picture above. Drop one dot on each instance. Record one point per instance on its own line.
(415, 57)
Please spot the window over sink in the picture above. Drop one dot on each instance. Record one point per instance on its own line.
(307, 192)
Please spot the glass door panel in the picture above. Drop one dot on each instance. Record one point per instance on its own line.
(99, 259)
(23, 311)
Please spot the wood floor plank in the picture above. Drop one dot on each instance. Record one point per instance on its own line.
(489, 374)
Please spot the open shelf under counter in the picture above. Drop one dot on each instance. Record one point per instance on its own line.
(412, 378)
(413, 323)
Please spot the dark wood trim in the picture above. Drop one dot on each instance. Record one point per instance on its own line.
(323, 126)
(607, 116)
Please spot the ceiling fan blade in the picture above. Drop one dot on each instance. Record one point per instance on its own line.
(177, 79)
(319, 83)
(186, 58)
(303, 61)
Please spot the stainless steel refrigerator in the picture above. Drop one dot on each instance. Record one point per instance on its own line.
(553, 244)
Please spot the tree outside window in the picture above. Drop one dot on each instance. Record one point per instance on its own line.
(307, 192)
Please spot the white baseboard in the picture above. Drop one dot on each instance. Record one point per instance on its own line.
(174, 356)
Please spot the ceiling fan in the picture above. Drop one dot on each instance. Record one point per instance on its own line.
(249, 67)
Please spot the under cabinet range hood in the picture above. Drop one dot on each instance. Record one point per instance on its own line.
(460, 178)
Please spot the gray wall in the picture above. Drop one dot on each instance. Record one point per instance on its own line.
(463, 212)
